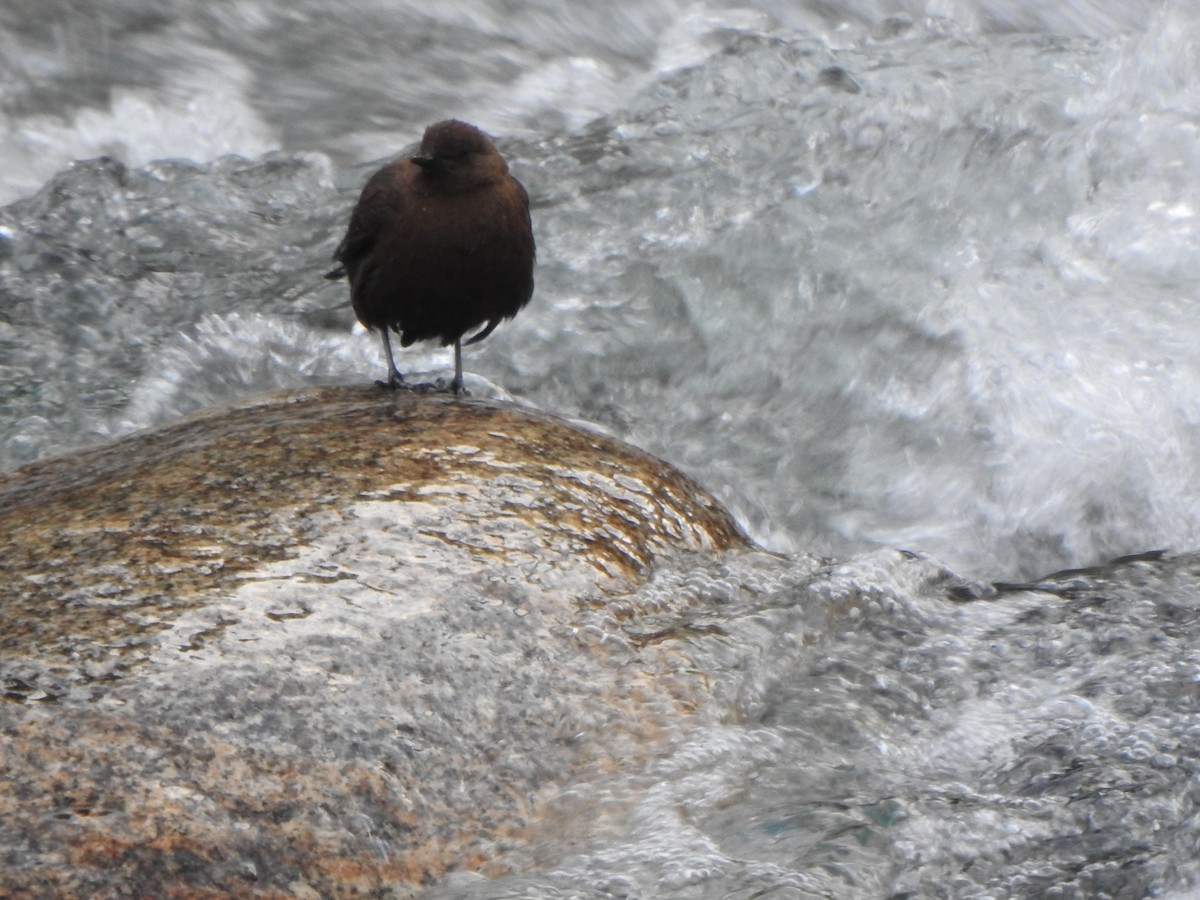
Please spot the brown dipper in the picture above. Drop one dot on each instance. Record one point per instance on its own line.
(439, 244)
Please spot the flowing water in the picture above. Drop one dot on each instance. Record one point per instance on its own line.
(880, 275)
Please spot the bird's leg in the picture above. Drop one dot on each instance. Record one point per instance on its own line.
(394, 379)
(456, 385)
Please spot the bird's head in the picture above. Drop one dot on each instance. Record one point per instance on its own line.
(459, 155)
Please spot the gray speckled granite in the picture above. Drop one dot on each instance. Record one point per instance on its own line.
(322, 643)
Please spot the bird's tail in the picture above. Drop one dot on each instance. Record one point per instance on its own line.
(491, 326)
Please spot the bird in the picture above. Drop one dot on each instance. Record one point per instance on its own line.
(439, 244)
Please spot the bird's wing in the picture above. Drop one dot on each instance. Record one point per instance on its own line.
(365, 223)
(528, 217)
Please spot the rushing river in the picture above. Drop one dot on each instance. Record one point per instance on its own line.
(879, 275)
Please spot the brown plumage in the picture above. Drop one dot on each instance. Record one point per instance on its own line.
(439, 244)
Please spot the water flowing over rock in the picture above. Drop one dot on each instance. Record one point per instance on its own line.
(322, 642)
(342, 642)
(879, 274)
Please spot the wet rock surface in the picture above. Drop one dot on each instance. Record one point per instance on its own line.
(324, 642)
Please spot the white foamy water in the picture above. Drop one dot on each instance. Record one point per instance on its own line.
(913, 276)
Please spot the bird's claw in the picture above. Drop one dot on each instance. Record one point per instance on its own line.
(455, 387)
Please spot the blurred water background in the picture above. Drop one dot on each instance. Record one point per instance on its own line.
(879, 274)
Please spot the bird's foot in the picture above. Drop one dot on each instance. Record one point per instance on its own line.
(455, 387)
(394, 382)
